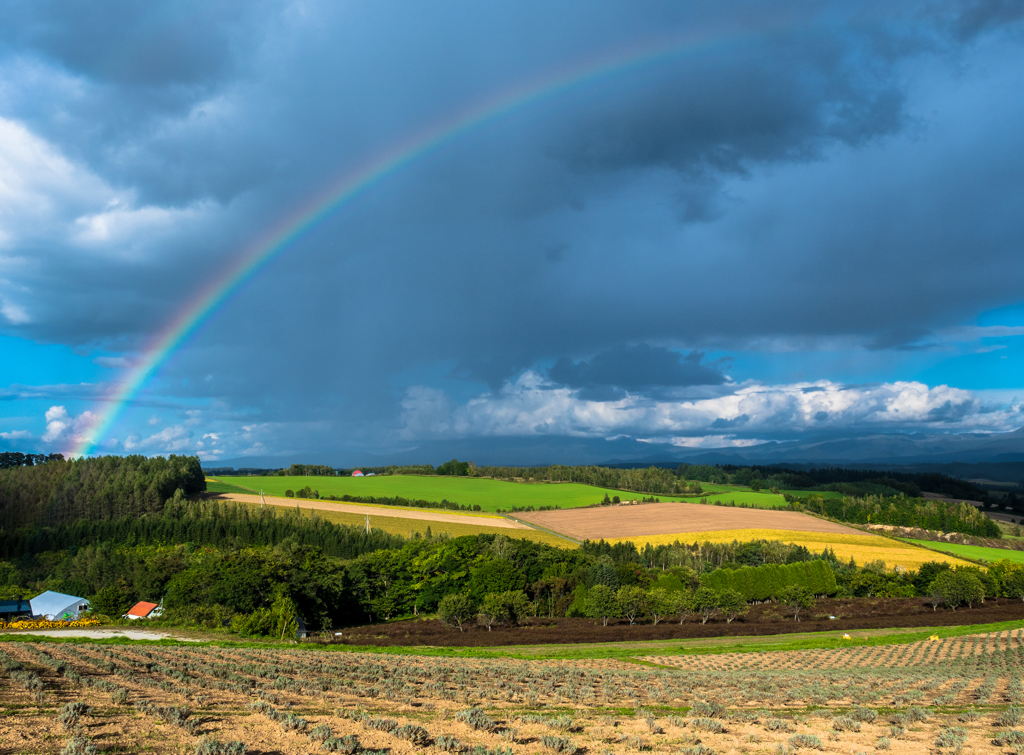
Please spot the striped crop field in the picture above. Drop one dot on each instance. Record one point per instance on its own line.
(863, 548)
(409, 527)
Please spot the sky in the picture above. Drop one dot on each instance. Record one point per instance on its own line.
(698, 224)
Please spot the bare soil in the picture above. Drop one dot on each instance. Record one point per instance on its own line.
(762, 620)
(672, 517)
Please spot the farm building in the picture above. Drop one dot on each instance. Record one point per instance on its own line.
(143, 610)
(11, 609)
(56, 606)
(357, 473)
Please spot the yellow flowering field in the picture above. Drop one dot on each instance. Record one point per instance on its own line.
(863, 548)
(46, 624)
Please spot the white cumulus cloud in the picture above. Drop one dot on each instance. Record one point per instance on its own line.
(531, 405)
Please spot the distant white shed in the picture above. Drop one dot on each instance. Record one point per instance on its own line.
(56, 606)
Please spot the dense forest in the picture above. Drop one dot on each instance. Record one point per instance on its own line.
(107, 487)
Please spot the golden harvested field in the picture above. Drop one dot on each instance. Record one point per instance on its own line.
(407, 522)
(664, 518)
(860, 546)
(183, 699)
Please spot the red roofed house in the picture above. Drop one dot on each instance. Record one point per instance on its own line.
(143, 610)
(357, 473)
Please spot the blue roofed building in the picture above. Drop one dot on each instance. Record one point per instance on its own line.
(12, 609)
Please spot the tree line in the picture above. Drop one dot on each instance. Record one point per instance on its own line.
(10, 459)
(906, 512)
(418, 503)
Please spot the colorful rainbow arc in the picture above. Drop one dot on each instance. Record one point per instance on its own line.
(357, 181)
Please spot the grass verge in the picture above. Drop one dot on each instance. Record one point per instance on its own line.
(599, 651)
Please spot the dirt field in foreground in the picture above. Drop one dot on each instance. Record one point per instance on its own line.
(366, 509)
(176, 700)
(669, 518)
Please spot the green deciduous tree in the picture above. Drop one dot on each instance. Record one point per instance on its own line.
(632, 602)
(602, 603)
(797, 598)
(1013, 582)
(660, 603)
(705, 603)
(507, 608)
(958, 587)
(731, 604)
(455, 610)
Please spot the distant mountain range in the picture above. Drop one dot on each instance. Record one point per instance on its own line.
(879, 449)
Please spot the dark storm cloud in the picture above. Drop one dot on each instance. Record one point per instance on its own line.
(787, 182)
(980, 15)
(634, 369)
(137, 44)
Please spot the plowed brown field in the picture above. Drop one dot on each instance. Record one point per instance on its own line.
(670, 518)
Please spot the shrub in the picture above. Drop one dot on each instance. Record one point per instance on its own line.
(78, 746)
(211, 746)
(883, 743)
(448, 744)
(320, 733)
(1009, 738)
(863, 714)
(917, 714)
(476, 718)
(952, 736)
(710, 725)
(415, 734)
(778, 724)
(845, 723)
(1012, 716)
(69, 714)
(291, 722)
(348, 744)
(559, 744)
(565, 723)
(707, 709)
(808, 741)
(380, 724)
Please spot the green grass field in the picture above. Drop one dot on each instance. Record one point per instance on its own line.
(976, 552)
(490, 495)
(216, 486)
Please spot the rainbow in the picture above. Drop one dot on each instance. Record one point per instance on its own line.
(353, 183)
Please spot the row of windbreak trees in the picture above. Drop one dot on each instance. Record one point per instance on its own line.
(107, 487)
(771, 581)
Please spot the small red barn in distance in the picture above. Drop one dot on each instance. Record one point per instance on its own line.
(141, 610)
(357, 473)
